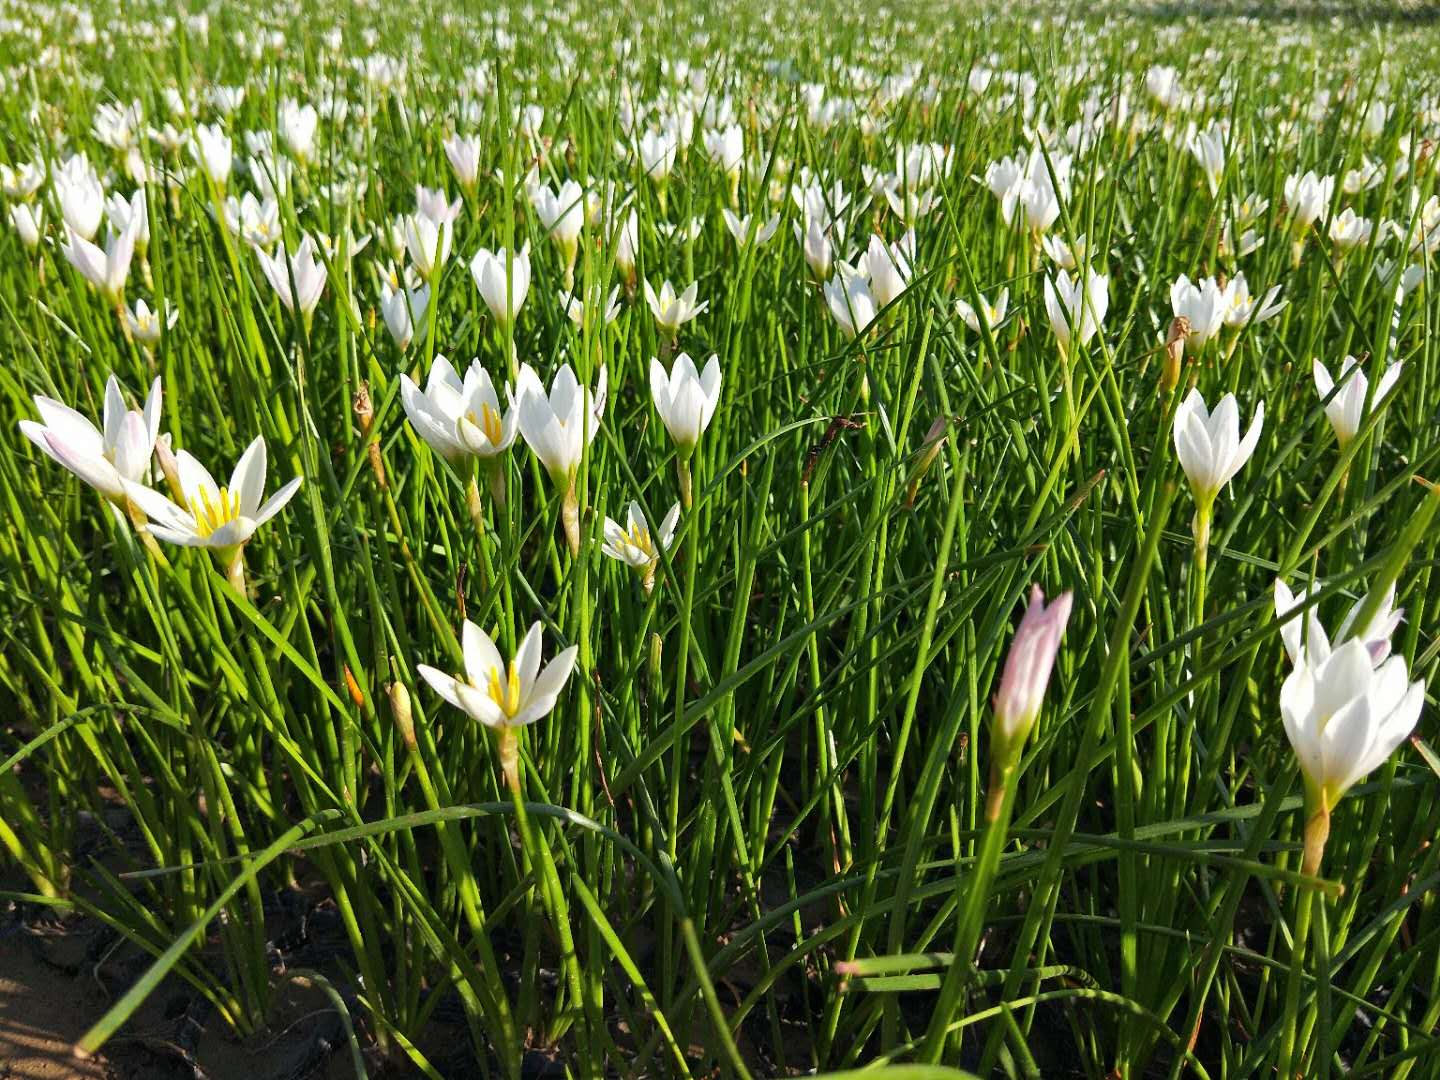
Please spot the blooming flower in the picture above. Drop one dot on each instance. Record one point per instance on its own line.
(309, 276)
(403, 308)
(888, 266)
(814, 241)
(739, 228)
(81, 196)
(1344, 716)
(1348, 230)
(1203, 303)
(496, 695)
(213, 153)
(464, 155)
(29, 222)
(106, 459)
(684, 399)
(503, 281)
(1076, 309)
(1308, 197)
(146, 326)
(105, 270)
(1242, 309)
(673, 311)
(459, 418)
(1310, 637)
(558, 425)
(428, 242)
(1345, 407)
(222, 518)
(1209, 445)
(1208, 149)
(851, 303)
(297, 127)
(606, 309)
(561, 214)
(635, 545)
(992, 314)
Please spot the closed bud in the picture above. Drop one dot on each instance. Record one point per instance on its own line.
(400, 711)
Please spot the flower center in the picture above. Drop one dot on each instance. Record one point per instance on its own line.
(213, 509)
(488, 422)
(639, 537)
(508, 695)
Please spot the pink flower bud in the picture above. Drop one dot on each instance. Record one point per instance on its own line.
(1027, 667)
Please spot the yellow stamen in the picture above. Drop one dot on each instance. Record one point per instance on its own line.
(214, 510)
(639, 537)
(508, 697)
(488, 422)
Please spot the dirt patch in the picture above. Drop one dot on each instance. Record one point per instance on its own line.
(42, 1013)
(46, 1005)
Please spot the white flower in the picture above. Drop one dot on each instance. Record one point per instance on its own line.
(627, 244)
(428, 242)
(1162, 82)
(460, 418)
(1349, 230)
(1076, 310)
(726, 147)
(297, 128)
(684, 399)
(888, 266)
(104, 459)
(1064, 254)
(1242, 309)
(814, 241)
(1308, 198)
(606, 312)
(739, 228)
(1209, 445)
(81, 196)
(559, 425)
(561, 213)
(222, 518)
(123, 212)
(1345, 717)
(254, 221)
(29, 222)
(503, 290)
(213, 153)
(1310, 637)
(634, 544)
(403, 309)
(993, 314)
(146, 326)
(1208, 149)
(497, 696)
(22, 181)
(851, 303)
(1346, 408)
(656, 151)
(105, 270)
(673, 311)
(433, 204)
(1203, 303)
(464, 155)
(309, 276)
(1404, 281)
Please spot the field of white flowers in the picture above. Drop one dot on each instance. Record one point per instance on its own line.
(635, 539)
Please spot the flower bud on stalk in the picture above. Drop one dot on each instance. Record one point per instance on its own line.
(1027, 673)
(400, 712)
(1174, 354)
